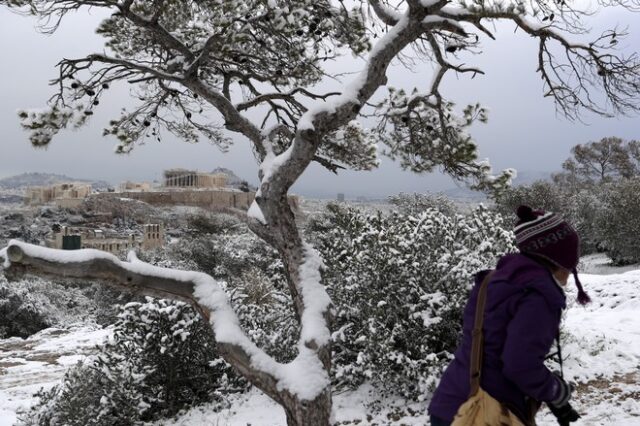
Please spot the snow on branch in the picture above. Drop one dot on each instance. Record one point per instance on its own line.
(304, 378)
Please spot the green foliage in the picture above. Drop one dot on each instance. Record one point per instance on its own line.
(354, 146)
(426, 134)
(541, 194)
(580, 207)
(399, 283)
(618, 221)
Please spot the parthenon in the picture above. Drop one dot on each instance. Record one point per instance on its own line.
(182, 178)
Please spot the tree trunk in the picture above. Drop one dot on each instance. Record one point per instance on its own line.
(282, 233)
(309, 413)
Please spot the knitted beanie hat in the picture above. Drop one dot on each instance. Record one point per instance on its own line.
(549, 236)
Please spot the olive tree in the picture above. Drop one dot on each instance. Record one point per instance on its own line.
(205, 69)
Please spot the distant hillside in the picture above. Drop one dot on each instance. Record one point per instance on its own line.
(26, 180)
(233, 180)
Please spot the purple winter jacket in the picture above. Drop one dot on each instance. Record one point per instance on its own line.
(522, 319)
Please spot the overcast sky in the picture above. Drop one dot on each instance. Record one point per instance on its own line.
(523, 132)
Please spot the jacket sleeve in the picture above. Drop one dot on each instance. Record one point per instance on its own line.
(530, 335)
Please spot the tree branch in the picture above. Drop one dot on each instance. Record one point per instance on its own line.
(198, 289)
(384, 13)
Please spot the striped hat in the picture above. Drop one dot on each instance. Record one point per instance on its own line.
(548, 236)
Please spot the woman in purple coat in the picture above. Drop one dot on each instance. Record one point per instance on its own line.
(525, 299)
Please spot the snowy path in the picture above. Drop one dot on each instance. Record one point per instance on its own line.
(26, 365)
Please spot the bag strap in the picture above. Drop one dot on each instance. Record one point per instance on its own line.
(477, 339)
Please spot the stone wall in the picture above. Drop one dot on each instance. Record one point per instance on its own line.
(152, 237)
(66, 191)
(212, 199)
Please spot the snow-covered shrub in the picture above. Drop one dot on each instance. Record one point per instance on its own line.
(399, 283)
(255, 282)
(539, 195)
(583, 209)
(228, 256)
(618, 222)
(417, 203)
(160, 359)
(77, 401)
(579, 207)
(211, 223)
(30, 305)
(107, 302)
(265, 310)
(23, 312)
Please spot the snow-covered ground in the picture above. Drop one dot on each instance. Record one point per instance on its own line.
(601, 344)
(26, 365)
(600, 264)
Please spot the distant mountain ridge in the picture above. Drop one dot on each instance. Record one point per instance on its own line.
(26, 180)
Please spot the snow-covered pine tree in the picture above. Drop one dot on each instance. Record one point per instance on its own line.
(199, 67)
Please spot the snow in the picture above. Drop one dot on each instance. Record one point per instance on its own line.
(601, 343)
(3, 255)
(351, 90)
(601, 346)
(63, 256)
(272, 163)
(40, 362)
(316, 300)
(256, 213)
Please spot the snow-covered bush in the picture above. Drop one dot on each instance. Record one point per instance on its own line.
(256, 284)
(583, 209)
(399, 283)
(618, 222)
(228, 256)
(211, 223)
(30, 305)
(417, 203)
(22, 312)
(160, 359)
(578, 206)
(265, 310)
(539, 195)
(107, 302)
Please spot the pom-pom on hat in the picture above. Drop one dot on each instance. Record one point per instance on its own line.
(549, 236)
